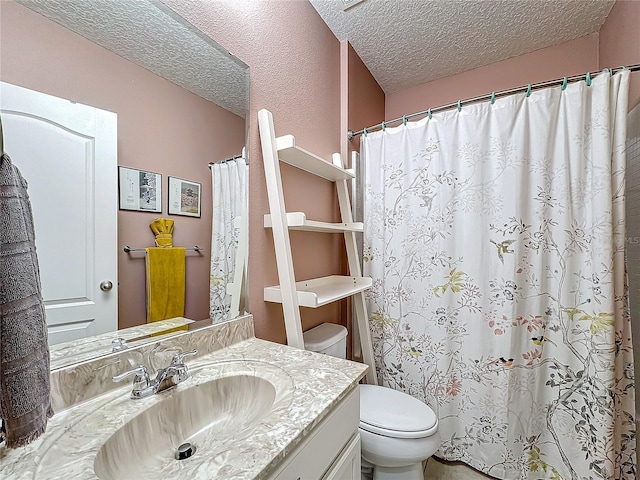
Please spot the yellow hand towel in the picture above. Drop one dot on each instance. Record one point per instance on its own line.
(165, 283)
(163, 230)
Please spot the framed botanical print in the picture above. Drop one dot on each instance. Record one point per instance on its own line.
(139, 190)
(184, 197)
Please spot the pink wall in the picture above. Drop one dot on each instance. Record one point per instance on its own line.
(366, 100)
(161, 127)
(294, 62)
(570, 58)
(620, 42)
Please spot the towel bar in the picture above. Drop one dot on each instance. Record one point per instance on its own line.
(128, 249)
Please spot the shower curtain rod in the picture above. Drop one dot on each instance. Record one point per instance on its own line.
(491, 96)
(235, 157)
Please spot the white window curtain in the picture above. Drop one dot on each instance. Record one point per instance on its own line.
(228, 238)
(495, 239)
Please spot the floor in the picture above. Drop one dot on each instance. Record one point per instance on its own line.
(436, 469)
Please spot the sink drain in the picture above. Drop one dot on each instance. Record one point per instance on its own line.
(185, 451)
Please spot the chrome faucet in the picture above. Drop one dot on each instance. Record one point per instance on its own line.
(175, 373)
(168, 377)
(142, 385)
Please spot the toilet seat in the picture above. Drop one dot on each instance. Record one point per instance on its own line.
(395, 414)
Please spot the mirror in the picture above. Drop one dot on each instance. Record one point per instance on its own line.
(156, 71)
(76, 351)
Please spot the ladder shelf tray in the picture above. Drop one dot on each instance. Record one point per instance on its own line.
(317, 292)
(298, 157)
(298, 221)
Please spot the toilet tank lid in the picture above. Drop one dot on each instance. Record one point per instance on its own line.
(323, 336)
(393, 410)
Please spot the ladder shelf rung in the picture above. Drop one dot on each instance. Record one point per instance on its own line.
(321, 291)
(289, 153)
(298, 221)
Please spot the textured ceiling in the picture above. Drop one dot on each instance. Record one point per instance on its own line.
(408, 42)
(153, 36)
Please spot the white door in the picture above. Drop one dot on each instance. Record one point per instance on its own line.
(67, 152)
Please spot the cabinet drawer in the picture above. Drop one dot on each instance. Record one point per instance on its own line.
(313, 457)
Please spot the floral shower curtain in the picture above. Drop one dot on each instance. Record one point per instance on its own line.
(230, 195)
(495, 239)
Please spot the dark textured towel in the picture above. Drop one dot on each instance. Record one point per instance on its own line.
(25, 402)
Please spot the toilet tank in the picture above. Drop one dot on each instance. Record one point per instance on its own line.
(327, 338)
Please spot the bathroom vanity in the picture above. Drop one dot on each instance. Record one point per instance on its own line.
(252, 409)
(331, 451)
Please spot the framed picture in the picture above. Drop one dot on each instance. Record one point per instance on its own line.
(184, 197)
(139, 190)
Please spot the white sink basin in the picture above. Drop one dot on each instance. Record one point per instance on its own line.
(215, 416)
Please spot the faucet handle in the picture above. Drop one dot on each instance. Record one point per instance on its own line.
(141, 379)
(178, 358)
(118, 344)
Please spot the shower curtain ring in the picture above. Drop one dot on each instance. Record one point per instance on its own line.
(364, 132)
(528, 94)
(588, 79)
(404, 119)
(429, 113)
(383, 126)
(493, 98)
(610, 71)
(459, 105)
(564, 83)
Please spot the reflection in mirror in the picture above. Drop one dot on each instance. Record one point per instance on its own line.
(76, 351)
(100, 54)
(229, 242)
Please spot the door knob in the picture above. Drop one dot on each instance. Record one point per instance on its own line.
(106, 285)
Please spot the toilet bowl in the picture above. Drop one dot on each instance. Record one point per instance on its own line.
(397, 431)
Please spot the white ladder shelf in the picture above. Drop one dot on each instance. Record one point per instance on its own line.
(315, 292)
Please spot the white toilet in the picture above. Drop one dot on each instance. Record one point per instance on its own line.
(397, 431)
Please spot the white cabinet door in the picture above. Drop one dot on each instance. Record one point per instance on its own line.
(67, 152)
(347, 466)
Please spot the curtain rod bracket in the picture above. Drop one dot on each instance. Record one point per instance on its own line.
(235, 157)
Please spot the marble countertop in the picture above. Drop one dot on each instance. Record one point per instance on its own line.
(308, 387)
